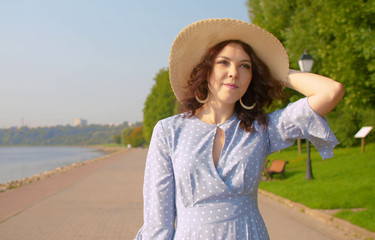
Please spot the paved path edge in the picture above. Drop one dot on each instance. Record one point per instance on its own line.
(339, 223)
(15, 201)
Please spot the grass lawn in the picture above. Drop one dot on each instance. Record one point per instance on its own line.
(346, 181)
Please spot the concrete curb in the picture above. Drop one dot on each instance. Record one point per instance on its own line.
(341, 224)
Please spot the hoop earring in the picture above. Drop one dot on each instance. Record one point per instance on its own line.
(200, 100)
(247, 107)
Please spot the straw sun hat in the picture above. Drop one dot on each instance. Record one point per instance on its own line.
(192, 43)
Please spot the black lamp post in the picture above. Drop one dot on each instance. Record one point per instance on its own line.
(305, 63)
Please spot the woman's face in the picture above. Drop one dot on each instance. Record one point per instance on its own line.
(231, 75)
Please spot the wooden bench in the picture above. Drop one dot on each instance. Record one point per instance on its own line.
(277, 167)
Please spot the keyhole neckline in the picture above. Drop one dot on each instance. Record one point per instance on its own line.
(218, 125)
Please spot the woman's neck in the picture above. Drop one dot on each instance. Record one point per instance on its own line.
(215, 113)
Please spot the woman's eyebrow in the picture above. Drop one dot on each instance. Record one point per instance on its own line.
(227, 58)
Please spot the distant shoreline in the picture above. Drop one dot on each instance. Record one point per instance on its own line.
(108, 151)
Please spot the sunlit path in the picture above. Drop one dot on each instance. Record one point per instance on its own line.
(104, 201)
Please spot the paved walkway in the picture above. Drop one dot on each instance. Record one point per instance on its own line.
(103, 200)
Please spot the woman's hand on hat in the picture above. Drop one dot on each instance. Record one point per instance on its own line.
(323, 93)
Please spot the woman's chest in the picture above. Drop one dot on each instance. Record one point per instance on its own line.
(241, 160)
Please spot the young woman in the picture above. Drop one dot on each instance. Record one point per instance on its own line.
(204, 166)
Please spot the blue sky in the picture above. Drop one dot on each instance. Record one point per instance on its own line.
(90, 59)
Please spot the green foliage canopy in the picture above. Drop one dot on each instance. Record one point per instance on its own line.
(136, 139)
(124, 135)
(160, 103)
(117, 139)
(340, 36)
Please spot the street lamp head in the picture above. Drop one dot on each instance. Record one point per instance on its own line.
(305, 62)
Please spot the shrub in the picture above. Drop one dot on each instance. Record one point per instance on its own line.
(346, 122)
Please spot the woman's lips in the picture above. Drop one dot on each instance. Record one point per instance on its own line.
(231, 86)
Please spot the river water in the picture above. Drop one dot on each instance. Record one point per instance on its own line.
(20, 162)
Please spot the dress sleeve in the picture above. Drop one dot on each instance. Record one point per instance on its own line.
(158, 190)
(299, 120)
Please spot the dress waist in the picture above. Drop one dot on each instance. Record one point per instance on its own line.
(216, 212)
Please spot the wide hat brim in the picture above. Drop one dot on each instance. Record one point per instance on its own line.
(193, 41)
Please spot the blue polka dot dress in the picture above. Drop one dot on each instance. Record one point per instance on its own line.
(187, 198)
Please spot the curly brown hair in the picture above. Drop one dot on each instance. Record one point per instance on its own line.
(263, 90)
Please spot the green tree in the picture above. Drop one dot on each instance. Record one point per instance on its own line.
(340, 35)
(136, 138)
(117, 139)
(160, 103)
(125, 133)
(273, 15)
(346, 123)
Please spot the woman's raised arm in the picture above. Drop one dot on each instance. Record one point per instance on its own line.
(323, 93)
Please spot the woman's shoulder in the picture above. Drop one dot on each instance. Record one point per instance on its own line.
(174, 118)
(174, 121)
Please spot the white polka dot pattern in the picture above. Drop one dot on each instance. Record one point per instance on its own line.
(186, 197)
